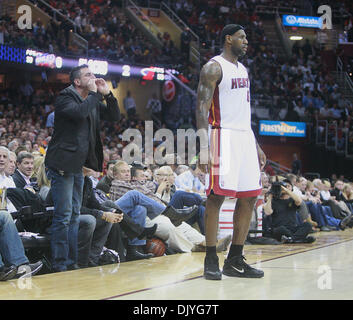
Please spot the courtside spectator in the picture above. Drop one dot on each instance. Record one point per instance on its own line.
(283, 211)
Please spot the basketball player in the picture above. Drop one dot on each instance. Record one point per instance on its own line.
(235, 159)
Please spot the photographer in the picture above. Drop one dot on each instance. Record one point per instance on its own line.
(282, 205)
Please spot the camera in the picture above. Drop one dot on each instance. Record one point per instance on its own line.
(276, 189)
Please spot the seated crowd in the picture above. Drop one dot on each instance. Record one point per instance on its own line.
(300, 88)
(129, 205)
(278, 82)
(293, 207)
(119, 210)
(110, 34)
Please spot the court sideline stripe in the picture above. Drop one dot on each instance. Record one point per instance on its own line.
(198, 277)
(307, 250)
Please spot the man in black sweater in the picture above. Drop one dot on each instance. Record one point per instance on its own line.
(76, 142)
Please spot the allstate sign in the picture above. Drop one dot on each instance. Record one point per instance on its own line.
(282, 129)
(302, 21)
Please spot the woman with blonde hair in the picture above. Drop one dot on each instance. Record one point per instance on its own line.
(43, 181)
(325, 194)
(347, 195)
(313, 196)
(312, 192)
(37, 161)
(347, 192)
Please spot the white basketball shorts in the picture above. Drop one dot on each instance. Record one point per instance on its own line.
(235, 170)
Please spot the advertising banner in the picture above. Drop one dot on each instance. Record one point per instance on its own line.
(282, 128)
(302, 21)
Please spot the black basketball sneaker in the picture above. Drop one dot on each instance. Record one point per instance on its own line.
(211, 268)
(236, 267)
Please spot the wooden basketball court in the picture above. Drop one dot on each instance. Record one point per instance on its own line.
(321, 270)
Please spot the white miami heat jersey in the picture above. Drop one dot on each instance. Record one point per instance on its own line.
(230, 107)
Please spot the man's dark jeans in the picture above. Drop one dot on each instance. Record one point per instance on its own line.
(66, 189)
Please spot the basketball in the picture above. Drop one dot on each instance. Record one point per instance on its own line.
(155, 246)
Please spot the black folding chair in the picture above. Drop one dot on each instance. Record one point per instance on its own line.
(37, 247)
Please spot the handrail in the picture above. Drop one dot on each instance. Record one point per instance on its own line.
(343, 77)
(347, 135)
(348, 81)
(163, 4)
(318, 133)
(334, 147)
(152, 27)
(278, 167)
(283, 34)
(194, 51)
(57, 12)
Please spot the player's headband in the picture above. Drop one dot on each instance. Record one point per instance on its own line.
(230, 29)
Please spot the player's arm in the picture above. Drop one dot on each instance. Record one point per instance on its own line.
(261, 155)
(210, 74)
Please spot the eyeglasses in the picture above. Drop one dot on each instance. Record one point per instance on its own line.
(164, 175)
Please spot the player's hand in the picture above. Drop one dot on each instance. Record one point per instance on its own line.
(102, 86)
(262, 158)
(204, 155)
